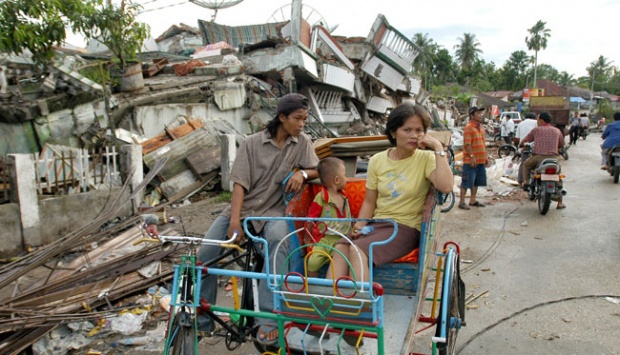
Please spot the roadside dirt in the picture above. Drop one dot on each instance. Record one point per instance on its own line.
(194, 218)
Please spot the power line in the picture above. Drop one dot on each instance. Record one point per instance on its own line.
(163, 7)
(148, 2)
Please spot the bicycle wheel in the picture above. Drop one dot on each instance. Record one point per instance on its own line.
(506, 150)
(183, 339)
(455, 304)
(450, 157)
(448, 202)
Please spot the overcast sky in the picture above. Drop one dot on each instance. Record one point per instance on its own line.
(581, 31)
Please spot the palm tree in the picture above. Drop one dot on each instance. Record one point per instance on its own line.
(537, 41)
(566, 79)
(423, 63)
(467, 51)
(599, 69)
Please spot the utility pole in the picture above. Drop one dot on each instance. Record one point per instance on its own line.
(592, 89)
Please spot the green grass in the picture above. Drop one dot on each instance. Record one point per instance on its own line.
(224, 196)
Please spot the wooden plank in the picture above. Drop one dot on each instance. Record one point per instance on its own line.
(323, 142)
(161, 140)
(170, 133)
(185, 184)
(176, 152)
(205, 160)
(156, 67)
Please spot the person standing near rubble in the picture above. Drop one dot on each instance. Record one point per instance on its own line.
(507, 128)
(263, 162)
(474, 159)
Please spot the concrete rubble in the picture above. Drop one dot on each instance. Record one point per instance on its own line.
(230, 86)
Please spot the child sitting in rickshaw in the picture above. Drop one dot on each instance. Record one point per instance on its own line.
(330, 202)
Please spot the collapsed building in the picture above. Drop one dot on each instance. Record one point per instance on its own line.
(179, 106)
(173, 118)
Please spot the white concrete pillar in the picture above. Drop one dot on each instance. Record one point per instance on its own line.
(229, 153)
(25, 194)
(296, 21)
(131, 163)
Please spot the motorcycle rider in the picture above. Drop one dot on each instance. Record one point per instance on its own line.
(611, 135)
(523, 129)
(547, 140)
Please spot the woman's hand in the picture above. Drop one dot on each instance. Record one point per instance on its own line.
(428, 141)
(356, 232)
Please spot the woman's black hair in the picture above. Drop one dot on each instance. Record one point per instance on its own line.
(400, 114)
(616, 116)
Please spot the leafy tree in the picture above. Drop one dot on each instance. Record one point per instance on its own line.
(600, 69)
(548, 72)
(486, 77)
(512, 74)
(537, 41)
(467, 50)
(613, 85)
(444, 69)
(38, 25)
(117, 28)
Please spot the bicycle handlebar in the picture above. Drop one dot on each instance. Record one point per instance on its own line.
(228, 243)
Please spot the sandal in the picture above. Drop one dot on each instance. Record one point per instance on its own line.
(463, 206)
(267, 329)
(477, 204)
(561, 207)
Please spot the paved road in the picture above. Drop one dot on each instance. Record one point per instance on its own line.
(547, 277)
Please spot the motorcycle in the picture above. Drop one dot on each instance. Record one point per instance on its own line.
(544, 181)
(613, 160)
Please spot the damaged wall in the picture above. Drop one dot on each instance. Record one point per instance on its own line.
(63, 214)
(18, 138)
(150, 119)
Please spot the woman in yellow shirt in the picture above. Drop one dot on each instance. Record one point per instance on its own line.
(397, 183)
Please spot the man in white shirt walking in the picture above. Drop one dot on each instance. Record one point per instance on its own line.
(523, 129)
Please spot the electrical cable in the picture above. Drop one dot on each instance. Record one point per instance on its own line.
(163, 7)
(493, 246)
(489, 327)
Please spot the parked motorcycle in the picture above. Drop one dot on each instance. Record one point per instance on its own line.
(544, 181)
(613, 160)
